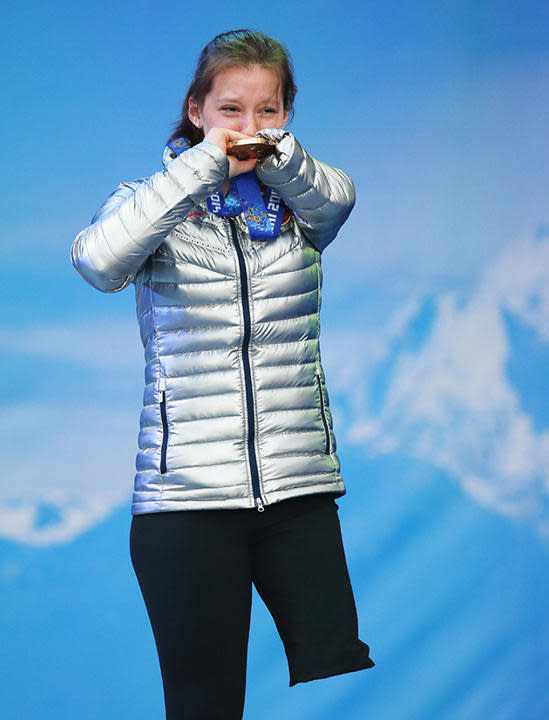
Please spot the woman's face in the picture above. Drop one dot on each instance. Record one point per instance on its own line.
(245, 99)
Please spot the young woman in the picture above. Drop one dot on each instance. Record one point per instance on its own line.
(237, 471)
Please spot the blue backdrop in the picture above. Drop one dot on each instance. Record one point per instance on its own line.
(435, 340)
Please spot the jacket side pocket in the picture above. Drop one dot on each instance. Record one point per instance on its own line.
(164, 418)
(328, 442)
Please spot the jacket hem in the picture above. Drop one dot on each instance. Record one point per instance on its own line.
(166, 505)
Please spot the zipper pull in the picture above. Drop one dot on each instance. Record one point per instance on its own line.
(260, 507)
(162, 383)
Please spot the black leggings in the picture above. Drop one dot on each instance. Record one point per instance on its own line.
(195, 569)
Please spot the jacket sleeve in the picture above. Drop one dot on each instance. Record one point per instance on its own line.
(321, 197)
(138, 215)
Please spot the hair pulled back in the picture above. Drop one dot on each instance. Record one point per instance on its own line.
(229, 49)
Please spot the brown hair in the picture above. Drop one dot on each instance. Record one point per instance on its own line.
(233, 48)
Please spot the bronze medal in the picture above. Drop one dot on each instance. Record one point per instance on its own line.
(249, 148)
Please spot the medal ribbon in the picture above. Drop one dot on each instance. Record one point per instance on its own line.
(263, 219)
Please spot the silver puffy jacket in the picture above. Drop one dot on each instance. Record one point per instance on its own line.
(235, 409)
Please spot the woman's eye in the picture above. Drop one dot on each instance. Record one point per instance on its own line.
(230, 108)
(270, 110)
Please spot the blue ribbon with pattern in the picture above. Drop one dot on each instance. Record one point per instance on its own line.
(263, 214)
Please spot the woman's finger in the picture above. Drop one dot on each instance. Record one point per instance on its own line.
(237, 167)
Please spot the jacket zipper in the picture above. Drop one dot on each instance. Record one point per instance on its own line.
(164, 417)
(247, 372)
(323, 412)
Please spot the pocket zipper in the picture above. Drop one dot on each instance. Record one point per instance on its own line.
(323, 412)
(164, 418)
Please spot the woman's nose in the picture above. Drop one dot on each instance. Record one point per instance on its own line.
(250, 125)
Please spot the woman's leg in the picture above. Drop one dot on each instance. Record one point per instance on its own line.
(300, 571)
(194, 573)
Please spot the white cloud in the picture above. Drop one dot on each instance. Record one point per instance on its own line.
(519, 282)
(451, 402)
(98, 344)
(68, 467)
(71, 460)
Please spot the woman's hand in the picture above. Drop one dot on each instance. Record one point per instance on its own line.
(222, 137)
(274, 135)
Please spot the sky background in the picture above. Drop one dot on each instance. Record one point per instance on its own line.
(435, 343)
